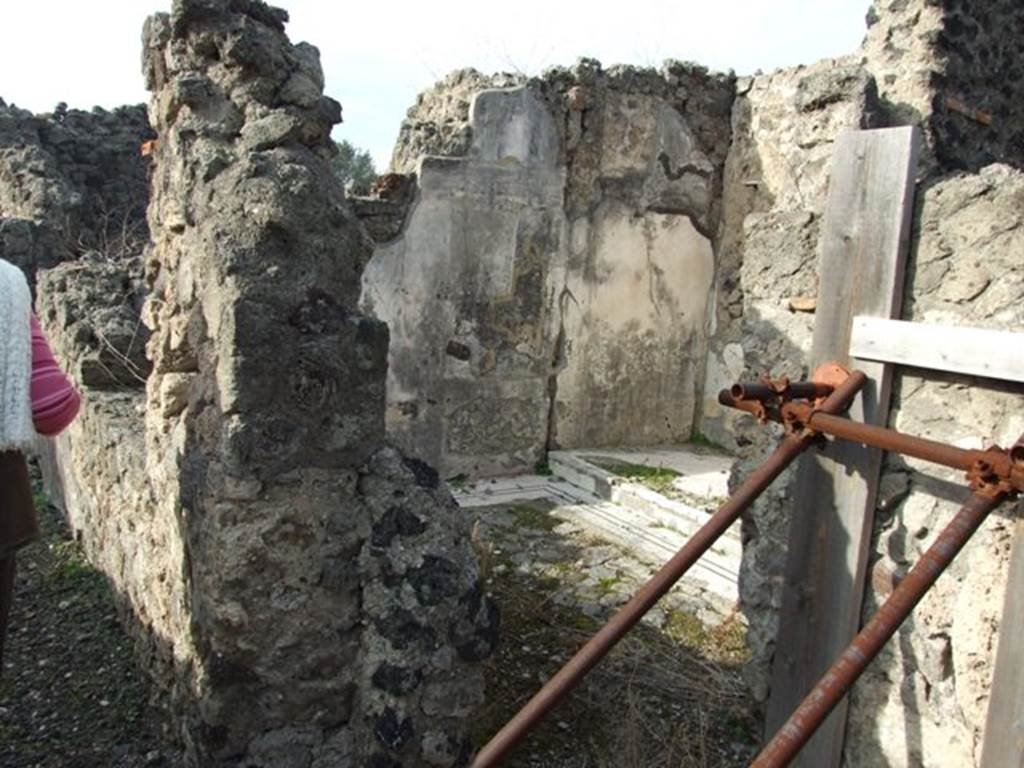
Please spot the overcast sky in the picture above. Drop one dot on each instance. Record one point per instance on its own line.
(378, 55)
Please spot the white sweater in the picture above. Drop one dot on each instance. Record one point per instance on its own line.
(16, 429)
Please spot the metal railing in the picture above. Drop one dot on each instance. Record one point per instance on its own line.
(808, 410)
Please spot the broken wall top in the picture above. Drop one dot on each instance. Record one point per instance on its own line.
(72, 181)
(955, 68)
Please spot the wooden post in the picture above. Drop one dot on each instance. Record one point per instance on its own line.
(1004, 728)
(863, 255)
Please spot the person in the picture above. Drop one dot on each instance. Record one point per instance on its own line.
(36, 398)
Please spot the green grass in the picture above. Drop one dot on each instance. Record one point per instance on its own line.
(656, 478)
(740, 729)
(725, 643)
(581, 622)
(686, 628)
(668, 527)
(620, 699)
(531, 516)
(68, 565)
(73, 575)
(608, 584)
(458, 482)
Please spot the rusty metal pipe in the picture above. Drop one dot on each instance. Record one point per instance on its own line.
(1008, 465)
(595, 649)
(830, 690)
(753, 407)
(999, 462)
(806, 390)
(1017, 452)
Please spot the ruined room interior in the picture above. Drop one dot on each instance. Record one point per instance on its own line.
(361, 472)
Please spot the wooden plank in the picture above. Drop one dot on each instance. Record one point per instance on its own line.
(863, 253)
(1004, 729)
(973, 351)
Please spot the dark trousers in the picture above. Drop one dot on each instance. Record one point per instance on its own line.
(18, 526)
(6, 597)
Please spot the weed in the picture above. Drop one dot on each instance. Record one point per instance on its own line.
(532, 517)
(653, 701)
(484, 550)
(659, 524)
(584, 624)
(724, 643)
(69, 570)
(458, 482)
(658, 479)
(729, 641)
(739, 728)
(542, 468)
(686, 628)
(608, 584)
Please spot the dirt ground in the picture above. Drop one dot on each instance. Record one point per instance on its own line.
(71, 695)
(669, 695)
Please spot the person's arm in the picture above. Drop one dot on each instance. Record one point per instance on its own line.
(55, 401)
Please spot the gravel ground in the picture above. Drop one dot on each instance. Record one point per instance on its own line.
(669, 695)
(71, 695)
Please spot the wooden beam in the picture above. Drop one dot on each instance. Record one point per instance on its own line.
(1004, 728)
(973, 351)
(863, 254)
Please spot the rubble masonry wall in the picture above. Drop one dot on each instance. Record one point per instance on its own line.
(305, 594)
(923, 702)
(536, 217)
(71, 182)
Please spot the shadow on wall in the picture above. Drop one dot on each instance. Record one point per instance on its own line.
(765, 526)
(933, 711)
(296, 619)
(355, 682)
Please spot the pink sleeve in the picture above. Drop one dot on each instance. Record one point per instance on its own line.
(55, 401)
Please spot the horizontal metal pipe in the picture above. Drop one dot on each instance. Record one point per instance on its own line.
(763, 392)
(1008, 465)
(891, 440)
(598, 646)
(830, 690)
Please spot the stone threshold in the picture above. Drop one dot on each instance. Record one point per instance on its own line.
(645, 523)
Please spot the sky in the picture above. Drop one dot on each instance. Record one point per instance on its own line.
(378, 55)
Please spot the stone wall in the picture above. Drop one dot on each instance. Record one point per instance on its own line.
(96, 470)
(334, 605)
(776, 179)
(583, 258)
(924, 701)
(560, 245)
(439, 122)
(954, 68)
(72, 182)
(305, 594)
